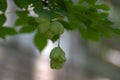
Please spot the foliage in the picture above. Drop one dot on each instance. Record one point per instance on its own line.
(53, 16)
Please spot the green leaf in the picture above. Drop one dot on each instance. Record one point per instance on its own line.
(103, 7)
(7, 31)
(66, 25)
(48, 14)
(55, 38)
(3, 5)
(89, 34)
(88, 1)
(73, 22)
(37, 4)
(106, 22)
(103, 15)
(116, 31)
(23, 18)
(57, 57)
(27, 29)
(64, 5)
(22, 3)
(40, 41)
(103, 31)
(2, 19)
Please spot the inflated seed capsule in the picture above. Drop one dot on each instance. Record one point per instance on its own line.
(43, 27)
(49, 34)
(56, 27)
(57, 58)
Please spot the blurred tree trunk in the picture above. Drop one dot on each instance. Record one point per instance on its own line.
(75, 49)
(16, 58)
(15, 65)
(115, 3)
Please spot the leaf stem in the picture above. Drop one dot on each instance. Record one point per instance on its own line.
(59, 42)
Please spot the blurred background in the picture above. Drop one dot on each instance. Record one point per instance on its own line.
(86, 60)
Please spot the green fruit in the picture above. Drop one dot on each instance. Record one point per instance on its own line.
(38, 20)
(57, 53)
(49, 34)
(57, 57)
(54, 64)
(56, 27)
(43, 27)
